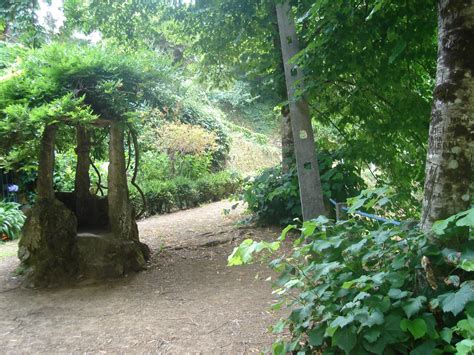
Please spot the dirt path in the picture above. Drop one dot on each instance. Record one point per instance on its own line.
(188, 301)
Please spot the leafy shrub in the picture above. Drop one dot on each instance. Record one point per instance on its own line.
(64, 171)
(187, 194)
(182, 192)
(215, 187)
(11, 220)
(361, 289)
(274, 196)
(160, 196)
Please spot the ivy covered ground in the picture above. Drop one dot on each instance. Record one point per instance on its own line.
(187, 300)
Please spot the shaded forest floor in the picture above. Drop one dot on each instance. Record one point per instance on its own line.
(188, 301)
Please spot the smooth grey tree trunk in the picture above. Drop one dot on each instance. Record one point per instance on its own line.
(45, 188)
(287, 143)
(312, 203)
(449, 165)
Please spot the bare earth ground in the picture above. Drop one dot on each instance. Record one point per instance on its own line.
(188, 301)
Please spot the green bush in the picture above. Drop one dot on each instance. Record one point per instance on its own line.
(11, 220)
(273, 197)
(182, 192)
(187, 195)
(357, 288)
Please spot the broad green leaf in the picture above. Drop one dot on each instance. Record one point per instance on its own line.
(427, 347)
(465, 327)
(417, 327)
(341, 321)
(439, 226)
(345, 339)
(455, 302)
(413, 305)
(467, 220)
(285, 231)
(465, 347)
(372, 335)
(316, 336)
(446, 334)
(467, 264)
(397, 294)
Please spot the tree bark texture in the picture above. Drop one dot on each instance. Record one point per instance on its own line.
(449, 165)
(82, 182)
(46, 163)
(287, 143)
(312, 203)
(119, 207)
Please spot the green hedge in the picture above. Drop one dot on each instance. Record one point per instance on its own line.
(181, 193)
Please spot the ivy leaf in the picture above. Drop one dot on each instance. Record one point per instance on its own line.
(465, 347)
(467, 265)
(446, 334)
(439, 226)
(341, 321)
(397, 294)
(455, 302)
(413, 305)
(372, 335)
(356, 248)
(316, 336)
(467, 220)
(417, 327)
(426, 347)
(465, 327)
(345, 339)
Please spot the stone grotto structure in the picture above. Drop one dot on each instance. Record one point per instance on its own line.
(72, 236)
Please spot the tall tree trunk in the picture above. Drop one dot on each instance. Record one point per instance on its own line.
(287, 142)
(82, 182)
(312, 203)
(449, 166)
(45, 188)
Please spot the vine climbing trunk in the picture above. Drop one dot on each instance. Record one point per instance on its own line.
(46, 163)
(312, 203)
(82, 182)
(449, 162)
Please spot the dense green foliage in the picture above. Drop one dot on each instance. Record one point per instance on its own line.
(180, 192)
(361, 288)
(76, 84)
(368, 65)
(11, 220)
(274, 197)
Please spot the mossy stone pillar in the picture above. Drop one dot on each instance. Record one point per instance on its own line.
(45, 188)
(121, 217)
(48, 248)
